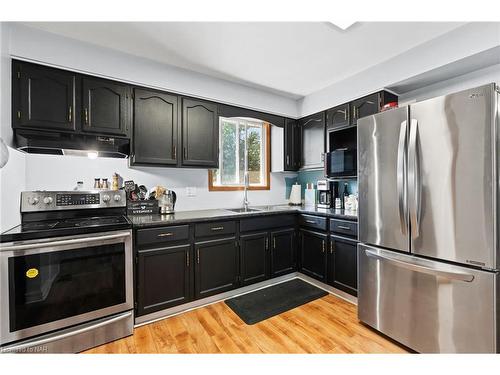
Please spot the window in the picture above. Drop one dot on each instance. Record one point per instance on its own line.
(244, 145)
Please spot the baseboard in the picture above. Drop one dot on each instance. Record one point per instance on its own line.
(176, 310)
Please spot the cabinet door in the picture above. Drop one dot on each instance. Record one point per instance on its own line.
(313, 140)
(283, 259)
(254, 255)
(43, 98)
(338, 117)
(292, 148)
(155, 128)
(313, 254)
(200, 133)
(365, 106)
(163, 278)
(105, 107)
(216, 268)
(343, 264)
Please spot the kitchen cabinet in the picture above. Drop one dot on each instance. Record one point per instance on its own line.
(343, 264)
(292, 145)
(43, 98)
(216, 266)
(370, 104)
(254, 257)
(163, 278)
(312, 140)
(283, 253)
(200, 133)
(155, 127)
(313, 255)
(338, 116)
(106, 106)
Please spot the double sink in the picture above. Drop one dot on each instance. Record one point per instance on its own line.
(259, 208)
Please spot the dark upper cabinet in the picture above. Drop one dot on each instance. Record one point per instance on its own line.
(43, 98)
(105, 107)
(163, 278)
(313, 254)
(338, 117)
(254, 257)
(216, 266)
(200, 133)
(312, 140)
(343, 264)
(292, 143)
(370, 104)
(154, 128)
(283, 254)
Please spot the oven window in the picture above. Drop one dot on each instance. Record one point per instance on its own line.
(57, 285)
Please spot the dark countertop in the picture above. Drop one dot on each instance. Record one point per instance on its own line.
(185, 217)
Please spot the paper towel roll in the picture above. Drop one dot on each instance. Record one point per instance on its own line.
(295, 195)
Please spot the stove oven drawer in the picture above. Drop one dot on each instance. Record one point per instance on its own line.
(163, 234)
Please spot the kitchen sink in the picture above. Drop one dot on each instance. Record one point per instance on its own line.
(243, 209)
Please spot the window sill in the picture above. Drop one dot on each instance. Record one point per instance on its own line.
(236, 188)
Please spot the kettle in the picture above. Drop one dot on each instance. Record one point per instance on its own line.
(167, 201)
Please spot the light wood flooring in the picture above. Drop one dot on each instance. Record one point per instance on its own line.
(326, 325)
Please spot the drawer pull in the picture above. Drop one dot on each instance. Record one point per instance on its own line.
(165, 234)
(217, 228)
(344, 227)
(311, 221)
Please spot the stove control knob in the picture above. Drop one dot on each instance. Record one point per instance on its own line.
(106, 198)
(117, 197)
(33, 200)
(47, 200)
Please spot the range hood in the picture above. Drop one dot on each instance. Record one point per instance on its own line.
(36, 142)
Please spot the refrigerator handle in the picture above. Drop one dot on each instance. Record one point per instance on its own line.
(414, 180)
(452, 275)
(401, 177)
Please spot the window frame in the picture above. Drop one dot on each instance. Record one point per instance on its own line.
(267, 173)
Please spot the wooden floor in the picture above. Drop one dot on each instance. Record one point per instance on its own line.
(326, 325)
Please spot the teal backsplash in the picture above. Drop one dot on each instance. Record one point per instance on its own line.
(305, 177)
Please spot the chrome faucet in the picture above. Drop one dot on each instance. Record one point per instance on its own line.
(245, 190)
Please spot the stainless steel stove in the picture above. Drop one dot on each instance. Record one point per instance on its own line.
(66, 272)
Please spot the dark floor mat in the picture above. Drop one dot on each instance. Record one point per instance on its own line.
(265, 303)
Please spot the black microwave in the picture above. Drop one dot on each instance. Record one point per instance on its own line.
(341, 162)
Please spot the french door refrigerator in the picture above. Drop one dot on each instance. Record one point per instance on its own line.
(428, 252)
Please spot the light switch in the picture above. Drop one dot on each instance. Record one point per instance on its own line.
(191, 191)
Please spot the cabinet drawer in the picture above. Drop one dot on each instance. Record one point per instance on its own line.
(163, 234)
(349, 228)
(215, 228)
(267, 222)
(315, 222)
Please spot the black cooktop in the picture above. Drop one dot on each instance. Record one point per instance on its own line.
(64, 227)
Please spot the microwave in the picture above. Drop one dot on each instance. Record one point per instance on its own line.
(341, 162)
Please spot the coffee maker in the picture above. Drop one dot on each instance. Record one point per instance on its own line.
(325, 194)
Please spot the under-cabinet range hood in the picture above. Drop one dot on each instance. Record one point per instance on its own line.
(36, 142)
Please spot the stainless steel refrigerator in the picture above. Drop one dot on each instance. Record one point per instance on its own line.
(428, 201)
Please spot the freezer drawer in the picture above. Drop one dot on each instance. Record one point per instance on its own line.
(431, 307)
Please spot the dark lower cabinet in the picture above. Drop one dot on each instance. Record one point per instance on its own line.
(105, 107)
(254, 257)
(43, 98)
(216, 266)
(155, 128)
(163, 278)
(313, 254)
(343, 264)
(200, 133)
(283, 254)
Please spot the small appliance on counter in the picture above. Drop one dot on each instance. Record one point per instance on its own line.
(325, 194)
(167, 201)
(310, 195)
(295, 195)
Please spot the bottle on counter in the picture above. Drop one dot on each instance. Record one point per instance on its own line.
(115, 185)
(79, 186)
(345, 195)
(97, 183)
(105, 184)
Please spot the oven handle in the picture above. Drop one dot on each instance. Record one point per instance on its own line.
(86, 240)
(47, 340)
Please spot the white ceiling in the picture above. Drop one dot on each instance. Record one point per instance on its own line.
(290, 58)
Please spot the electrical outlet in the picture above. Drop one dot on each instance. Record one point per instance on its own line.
(191, 191)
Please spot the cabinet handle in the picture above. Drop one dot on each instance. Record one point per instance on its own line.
(343, 227)
(86, 115)
(323, 246)
(345, 114)
(267, 243)
(288, 160)
(174, 151)
(353, 111)
(217, 228)
(198, 256)
(70, 114)
(274, 242)
(187, 258)
(165, 234)
(185, 153)
(331, 247)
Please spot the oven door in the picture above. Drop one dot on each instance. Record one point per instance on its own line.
(49, 284)
(341, 163)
